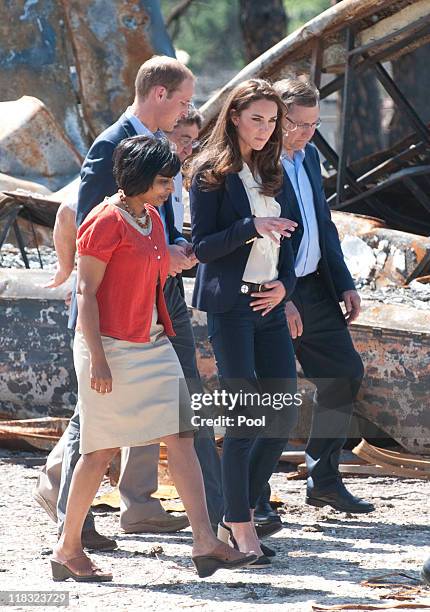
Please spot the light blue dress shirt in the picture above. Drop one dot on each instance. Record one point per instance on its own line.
(309, 252)
(142, 130)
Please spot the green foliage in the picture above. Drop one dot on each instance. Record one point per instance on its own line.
(301, 11)
(209, 31)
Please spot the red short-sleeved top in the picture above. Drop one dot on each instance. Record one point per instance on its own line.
(136, 271)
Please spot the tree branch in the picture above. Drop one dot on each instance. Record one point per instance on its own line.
(177, 12)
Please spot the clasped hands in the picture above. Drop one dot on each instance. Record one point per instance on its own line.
(181, 257)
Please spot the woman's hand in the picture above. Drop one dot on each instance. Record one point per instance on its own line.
(100, 375)
(265, 226)
(267, 300)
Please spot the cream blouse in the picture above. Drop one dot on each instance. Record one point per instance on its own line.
(262, 265)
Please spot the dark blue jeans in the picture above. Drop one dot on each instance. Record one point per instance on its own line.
(254, 354)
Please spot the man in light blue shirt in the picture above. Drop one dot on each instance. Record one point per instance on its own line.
(309, 253)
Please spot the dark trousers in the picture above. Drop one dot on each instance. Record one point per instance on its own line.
(253, 354)
(204, 441)
(328, 358)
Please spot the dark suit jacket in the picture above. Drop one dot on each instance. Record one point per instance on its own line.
(97, 182)
(221, 224)
(332, 265)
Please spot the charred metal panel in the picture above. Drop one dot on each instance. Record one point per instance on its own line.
(34, 60)
(111, 39)
(394, 343)
(33, 145)
(36, 366)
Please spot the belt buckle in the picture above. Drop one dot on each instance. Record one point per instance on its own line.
(244, 289)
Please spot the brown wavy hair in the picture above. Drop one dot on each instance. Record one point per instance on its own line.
(220, 154)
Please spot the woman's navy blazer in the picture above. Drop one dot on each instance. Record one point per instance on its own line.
(221, 226)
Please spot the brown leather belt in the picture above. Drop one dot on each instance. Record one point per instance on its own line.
(248, 288)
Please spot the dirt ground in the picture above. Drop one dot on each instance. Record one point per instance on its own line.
(322, 556)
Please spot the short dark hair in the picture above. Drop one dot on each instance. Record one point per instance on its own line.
(138, 160)
(193, 117)
(295, 91)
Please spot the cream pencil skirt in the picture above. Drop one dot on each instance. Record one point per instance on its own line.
(149, 398)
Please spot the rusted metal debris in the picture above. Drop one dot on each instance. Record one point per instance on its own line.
(33, 145)
(343, 42)
(78, 55)
(109, 45)
(42, 433)
(391, 463)
(35, 61)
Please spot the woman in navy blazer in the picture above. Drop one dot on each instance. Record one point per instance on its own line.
(246, 271)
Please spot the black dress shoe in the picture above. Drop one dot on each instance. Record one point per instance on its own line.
(264, 513)
(339, 498)
(267, 529)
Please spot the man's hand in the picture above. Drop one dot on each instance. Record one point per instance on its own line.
(294, 320)
(60, 277)
(352, 302)
(190, 253)
(267, 300)
(178, 259)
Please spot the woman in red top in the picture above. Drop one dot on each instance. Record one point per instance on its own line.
(131, 389)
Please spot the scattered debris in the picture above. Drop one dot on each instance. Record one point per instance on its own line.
(10, 257)
(359, 257)
(391, 463)
(371, 606)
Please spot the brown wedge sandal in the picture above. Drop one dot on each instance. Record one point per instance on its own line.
(61, 571)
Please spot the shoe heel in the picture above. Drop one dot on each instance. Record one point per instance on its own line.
(205, 566)
(223, 533)
(59, 572)
(315, 502)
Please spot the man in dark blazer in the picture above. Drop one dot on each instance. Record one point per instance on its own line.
(164, 88)
(317, 324)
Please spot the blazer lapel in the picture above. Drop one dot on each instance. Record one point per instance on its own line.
(316, 193)
(237, 194)
(169, 216)
(293, 209)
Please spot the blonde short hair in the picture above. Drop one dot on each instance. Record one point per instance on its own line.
(163, 71)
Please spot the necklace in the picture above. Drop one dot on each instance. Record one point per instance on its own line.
(144, 221)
